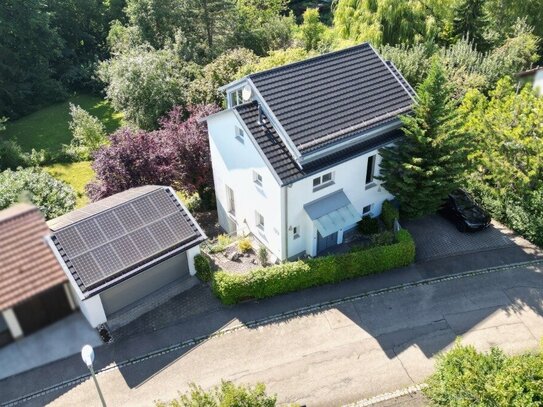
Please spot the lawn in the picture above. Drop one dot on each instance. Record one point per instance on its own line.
(75, 174)
(48, 128)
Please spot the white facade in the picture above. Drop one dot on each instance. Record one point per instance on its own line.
(240, 170)
(538, 82)
(238, 165)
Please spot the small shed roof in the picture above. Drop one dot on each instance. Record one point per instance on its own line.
(115, 238)
(27, 264)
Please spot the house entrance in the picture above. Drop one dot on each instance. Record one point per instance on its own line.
(324, 243)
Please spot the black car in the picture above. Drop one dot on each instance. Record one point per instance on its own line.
(461, 209)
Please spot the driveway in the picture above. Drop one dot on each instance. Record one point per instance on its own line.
(436, 238)
(57, 341)
(355, 348)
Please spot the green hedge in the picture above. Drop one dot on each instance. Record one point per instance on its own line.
(294, 276)
(203, 268)
(388, 213)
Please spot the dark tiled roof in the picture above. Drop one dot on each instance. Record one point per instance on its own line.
(282, 161)
(28, 266)
(322, 100)
(120, 236)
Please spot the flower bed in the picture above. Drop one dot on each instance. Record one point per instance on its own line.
(294, 276)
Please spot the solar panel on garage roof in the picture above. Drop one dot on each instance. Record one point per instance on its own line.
(120, 237)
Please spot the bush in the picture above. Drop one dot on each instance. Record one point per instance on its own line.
(12, 155)
(294, 276)
(89, 134)
(384, 238)
(263, 255)
(368, 225)
(465, 377)
(53, 197)
(203, 268)
(245, 245)
(222, 241)
(388, 214)
(227, 395)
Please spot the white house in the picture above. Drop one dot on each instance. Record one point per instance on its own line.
(118, 251)
(535, 76)
(296, 153)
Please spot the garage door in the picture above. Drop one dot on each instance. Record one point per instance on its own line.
(42, 309)
(145, 283)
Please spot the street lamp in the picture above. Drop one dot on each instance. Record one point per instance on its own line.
(87, 354)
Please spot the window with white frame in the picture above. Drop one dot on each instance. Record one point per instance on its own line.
(259, 220)
(295, 232)
(323, 181)
(240, 134)
(257, 178)
(236, 98)
(370, 171)
(230, 203)
(366, 210)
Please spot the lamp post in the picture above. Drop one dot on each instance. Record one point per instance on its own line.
(87, 354)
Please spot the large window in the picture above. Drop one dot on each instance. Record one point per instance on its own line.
(236, 98)
(323, 181)
(231, 206)
(370, 171)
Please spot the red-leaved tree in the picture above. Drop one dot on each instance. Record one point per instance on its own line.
(177, 154)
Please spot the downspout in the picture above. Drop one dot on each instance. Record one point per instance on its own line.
(284, 240)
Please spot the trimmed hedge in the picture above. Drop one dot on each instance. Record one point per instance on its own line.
(203, 268)
(294, 276)
(388, 213)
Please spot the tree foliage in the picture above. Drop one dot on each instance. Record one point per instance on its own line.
(312, 30)
(465, 377)
(470, 22)
(426, 164)
(53, 197)
(226, 395)
(88, 133)
(145, 83)
(177, 154)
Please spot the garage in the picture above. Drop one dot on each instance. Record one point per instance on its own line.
(118, 251)
(145, 283)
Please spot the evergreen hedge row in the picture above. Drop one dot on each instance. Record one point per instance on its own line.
(297, 275)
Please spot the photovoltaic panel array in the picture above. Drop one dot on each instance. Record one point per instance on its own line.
(124, 235)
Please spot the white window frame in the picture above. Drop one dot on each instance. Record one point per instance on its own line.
(370, 171)
(367, 212)
(319, 183)
(230, 201)
(295, 232)
(236, 97)
(259, 220)
(257, 179)
(240, 134)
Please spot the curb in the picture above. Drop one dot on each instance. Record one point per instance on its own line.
(271, 319)
(388, 396)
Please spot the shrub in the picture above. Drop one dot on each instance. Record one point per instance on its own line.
(384, 238)
(293, 276)
(227, 395)
(368, 225)
(53, 197)
(89, 134)
(388, 214)
(245, 245)
(222, 241)
(465, 377)
(203, 268)
(263, 255)
(12, 155)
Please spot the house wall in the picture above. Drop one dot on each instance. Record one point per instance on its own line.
(233, 166)
(349, 176)
(538, 82)
(93, 310)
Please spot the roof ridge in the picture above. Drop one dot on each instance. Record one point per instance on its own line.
(310, 59)
(17, 210)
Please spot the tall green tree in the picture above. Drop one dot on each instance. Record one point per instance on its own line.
(311, 30)
(470, 21)
(28, 47)
(428, 162)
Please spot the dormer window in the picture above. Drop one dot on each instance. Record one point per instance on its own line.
(236, 97)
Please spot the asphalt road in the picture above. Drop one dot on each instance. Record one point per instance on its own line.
(355, 350)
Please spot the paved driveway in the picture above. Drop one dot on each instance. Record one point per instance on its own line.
(356, 349)
(436, 237)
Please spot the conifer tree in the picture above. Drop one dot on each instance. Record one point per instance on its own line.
(428, 162)
(470, 22)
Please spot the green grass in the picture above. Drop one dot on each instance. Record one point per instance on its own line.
(48, 128)
(76, 174)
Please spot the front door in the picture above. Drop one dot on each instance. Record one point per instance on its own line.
(324, 243)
